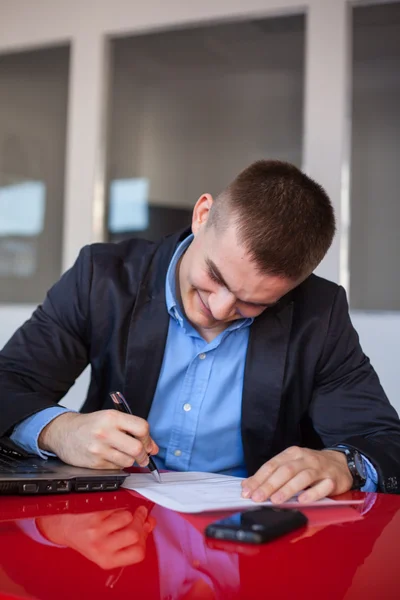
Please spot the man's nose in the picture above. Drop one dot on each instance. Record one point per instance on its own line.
(222, 304)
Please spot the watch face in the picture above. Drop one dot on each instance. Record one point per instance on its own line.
(360, 466)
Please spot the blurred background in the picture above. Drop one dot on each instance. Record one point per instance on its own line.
(116, 116)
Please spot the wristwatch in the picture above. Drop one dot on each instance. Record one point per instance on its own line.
(356, 466)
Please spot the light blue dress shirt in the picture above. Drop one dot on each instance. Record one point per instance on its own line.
(195, 416)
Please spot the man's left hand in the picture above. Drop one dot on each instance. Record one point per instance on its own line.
(320, 473)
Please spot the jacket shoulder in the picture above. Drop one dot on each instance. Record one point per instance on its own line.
(129, 262)
(317, 295)
(117, 264)
(314, 283)
(128, 250)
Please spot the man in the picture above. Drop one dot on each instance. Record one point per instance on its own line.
(233, 357)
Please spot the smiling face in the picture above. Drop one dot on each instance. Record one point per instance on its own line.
(218, 280)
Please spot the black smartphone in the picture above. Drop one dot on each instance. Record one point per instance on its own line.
(256, 526)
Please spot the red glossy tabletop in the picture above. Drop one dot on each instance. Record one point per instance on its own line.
(118, 545)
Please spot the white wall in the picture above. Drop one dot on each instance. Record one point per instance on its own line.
(11, 317)
(379, 336)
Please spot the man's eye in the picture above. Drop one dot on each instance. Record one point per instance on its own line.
(213, 277)
(255, 306)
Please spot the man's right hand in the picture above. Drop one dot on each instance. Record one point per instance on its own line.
(99, 440)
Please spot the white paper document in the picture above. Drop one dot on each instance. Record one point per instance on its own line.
(192, 492)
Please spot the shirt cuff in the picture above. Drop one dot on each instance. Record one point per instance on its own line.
(371, 485)
(26, 434)
(29, 527)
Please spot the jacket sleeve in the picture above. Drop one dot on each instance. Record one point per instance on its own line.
(349, 405)
(48, 352)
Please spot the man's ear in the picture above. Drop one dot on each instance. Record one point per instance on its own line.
(201, 212)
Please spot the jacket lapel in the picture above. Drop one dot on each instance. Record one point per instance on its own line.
(148, 331)
(265, 359)
(263, 382)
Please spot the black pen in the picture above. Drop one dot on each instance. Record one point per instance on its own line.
(121, 404)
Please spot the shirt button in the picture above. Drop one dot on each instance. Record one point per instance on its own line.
(202, 356)
(187, 407)
(177, 452)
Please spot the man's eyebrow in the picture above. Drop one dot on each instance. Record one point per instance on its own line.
(217, 274)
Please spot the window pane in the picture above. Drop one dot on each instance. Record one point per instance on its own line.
(375, 169)
(191, 108)
(33, 106)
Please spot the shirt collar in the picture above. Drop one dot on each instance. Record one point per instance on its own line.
(173, 306)
(170, 285)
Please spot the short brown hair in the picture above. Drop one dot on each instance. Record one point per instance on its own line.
(284, 219)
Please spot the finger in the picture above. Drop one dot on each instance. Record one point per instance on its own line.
(278, 479)
(125, 460)
(100, 462)
(107, 559)
(139, 428)
(130, 556)
(105, 457)
(150, 524)
(155, 448)
(144, 524)
(320, 490)
(132, 447)
(115, 521)
(118, 460)
(139, 517)
(105, 465)
(122, 538)
(132, 533)
(297, 484)
(97, 517)
(252, 483)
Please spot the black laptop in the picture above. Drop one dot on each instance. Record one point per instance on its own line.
(22, 473)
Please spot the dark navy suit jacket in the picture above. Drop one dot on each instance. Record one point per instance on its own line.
(307, 381)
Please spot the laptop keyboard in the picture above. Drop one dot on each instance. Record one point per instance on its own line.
(12, 461)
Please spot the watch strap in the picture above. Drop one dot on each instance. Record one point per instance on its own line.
(359, 480)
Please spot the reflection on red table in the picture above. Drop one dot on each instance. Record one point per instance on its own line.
(116, 545)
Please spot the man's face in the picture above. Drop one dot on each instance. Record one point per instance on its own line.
(218, 280)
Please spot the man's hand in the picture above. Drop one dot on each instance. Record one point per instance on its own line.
(324, 472)
(99, 440)
(110, 538)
